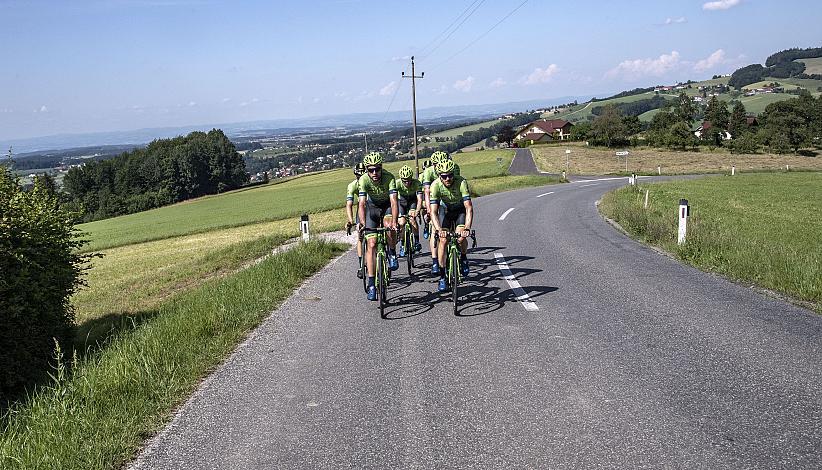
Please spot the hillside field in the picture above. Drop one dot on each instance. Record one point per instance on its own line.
(812, 66)
(586, 160)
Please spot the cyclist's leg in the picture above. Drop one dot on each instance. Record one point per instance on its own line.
(445, 223)
(372, 220)
(415, 229)
(402, 205)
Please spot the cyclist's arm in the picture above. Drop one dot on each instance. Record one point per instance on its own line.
(433, 210)
(361, 209)
(394, 208)
(469, 214)
(349, 211)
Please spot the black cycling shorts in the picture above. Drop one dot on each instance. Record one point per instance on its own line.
(406, 203)
(374, 214)
(451, 217)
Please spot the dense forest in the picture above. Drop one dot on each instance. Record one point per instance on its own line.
(779, 65)
(164, 172)
(634, 108)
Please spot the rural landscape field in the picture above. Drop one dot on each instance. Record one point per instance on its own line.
(180, 289)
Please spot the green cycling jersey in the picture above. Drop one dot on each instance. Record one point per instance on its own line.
(408, 191)
(379, 193)
(456, 194)
(353, 190)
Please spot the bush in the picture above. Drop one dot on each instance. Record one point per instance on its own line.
(39, 270)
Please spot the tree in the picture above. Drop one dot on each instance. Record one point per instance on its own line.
(581, 131)
(608, 128)
(680, 136)
(632, 125)
(717, 114)
(738, 122)
(685, 109)
(506, 134)
(39, 270)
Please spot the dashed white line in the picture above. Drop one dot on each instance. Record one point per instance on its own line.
(545, 194)
(505, 214)
(586, 185)
(522, 296)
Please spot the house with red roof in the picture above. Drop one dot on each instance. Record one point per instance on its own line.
(545, 130)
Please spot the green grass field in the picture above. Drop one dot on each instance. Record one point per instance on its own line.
(308, 194)
(764, 229)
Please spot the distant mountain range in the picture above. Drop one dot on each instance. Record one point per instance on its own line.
(240, 129)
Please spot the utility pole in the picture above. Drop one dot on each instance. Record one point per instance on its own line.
(366, 142)
(413, 78)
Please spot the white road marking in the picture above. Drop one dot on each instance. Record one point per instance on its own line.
(601, 179)
(505, 214)
(586, 185)
(522, 296)
(545, 194)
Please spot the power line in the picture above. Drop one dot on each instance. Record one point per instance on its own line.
(422, 50)
(480, 36)
(431, 52)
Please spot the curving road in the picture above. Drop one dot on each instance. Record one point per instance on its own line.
(617, 358)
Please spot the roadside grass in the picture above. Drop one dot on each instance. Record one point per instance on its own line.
(307, 194)
(585, 160)
(486, 186)
(764, 229)
(98, 417)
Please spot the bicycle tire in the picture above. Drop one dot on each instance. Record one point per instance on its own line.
(454, 279)
(409, 249)
(364, 266)
(380, 281)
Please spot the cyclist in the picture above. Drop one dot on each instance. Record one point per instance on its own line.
(429, 176)
(378, 202)
(351, 212)
(451, 202)
(409, 192)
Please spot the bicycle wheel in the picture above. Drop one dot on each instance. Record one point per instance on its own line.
(364, 267)
(380, 281)
(453, 274)
(409, 248)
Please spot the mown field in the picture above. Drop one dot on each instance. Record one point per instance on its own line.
(586, 160)
(764, 229)
(308, 194)
(812, 66)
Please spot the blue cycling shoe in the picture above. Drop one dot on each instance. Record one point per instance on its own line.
(435, 268)
(425, 232)
(417, 247)
(464, 267)
(393, 264)
(443, 285)
(402, 251)
(372, 293)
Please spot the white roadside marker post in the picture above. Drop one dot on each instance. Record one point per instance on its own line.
(304, 226)
(684, 212)
(659, 170)
(733, 170)
(646, 199)
(633, 179)
(563, 175)
(787, 168)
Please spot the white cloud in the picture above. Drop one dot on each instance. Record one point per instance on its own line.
(497, 83)
(711, 61)
(636, 68)
(255, 100)
(681, 19)
(540, 75)
(721, 4)
(192, 103)
(441, 90)
(44, 109)
(316, 100)
(400, 58)
(300, 99)
(226, 100)
(388, 89)
(464, 85)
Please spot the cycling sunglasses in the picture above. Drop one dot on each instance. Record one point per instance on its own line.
(406, 180)
(374, 169)
(446, 176)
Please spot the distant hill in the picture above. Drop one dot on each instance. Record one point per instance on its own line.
(783, 64)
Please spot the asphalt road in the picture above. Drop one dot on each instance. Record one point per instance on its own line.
(623, 359)
(523, 163)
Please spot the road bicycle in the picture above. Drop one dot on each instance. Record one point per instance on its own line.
(382, 276)
(453, 274)
(362, 268)
(408, 242)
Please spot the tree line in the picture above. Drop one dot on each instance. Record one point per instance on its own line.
(778, 65)
(164, 172)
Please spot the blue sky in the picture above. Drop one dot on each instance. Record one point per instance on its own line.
(88, 66)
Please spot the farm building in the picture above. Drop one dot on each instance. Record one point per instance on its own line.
(545, 130)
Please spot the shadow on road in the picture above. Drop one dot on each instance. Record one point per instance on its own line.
(410, 297)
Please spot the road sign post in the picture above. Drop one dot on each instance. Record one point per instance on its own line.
(567, 156)
(304, 226)
(684, 212)
(624, 153)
